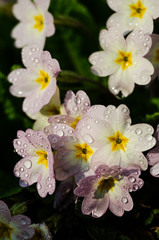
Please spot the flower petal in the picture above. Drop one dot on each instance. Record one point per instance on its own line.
(43, 4)
(4, 212)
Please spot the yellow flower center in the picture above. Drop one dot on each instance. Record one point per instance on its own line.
(104, 186)
(83, 151)
(124, 59)
(42, 157)
(74, 123)
(44, 79)
(118, 141)
(39, 22)
(137, 9)
(5, 231)
(156, 56)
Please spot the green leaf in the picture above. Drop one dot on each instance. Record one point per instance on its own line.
(18, 208)
(149, 219)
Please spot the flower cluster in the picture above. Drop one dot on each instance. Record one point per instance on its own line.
(93, 150)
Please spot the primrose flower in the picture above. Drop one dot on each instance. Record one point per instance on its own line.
(36, 23)
(16, 227)
(109, 130)
(153, 55)
(72, 154)
(153, 156)
(36, 82)
(74, 108)
(133, 14)
(123, 60)
(41, 232)
(52, 108)
(36, 164)
(108, 188)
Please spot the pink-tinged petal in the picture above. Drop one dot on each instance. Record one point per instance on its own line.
(105, 156)
(43, 4)
(60, 131)
(123, 83)
(142, 71)
(155, 170)
(76, 104)
(31, 56)
(139, 43)
(103, 63)
(142, 136)
(22, 9)
(118, 118)
(115, 5)
(20, 35)
(112, 40)
(4, 212)
(121, 21)
(47, 184)
(95, 206)
(84, 186)
(155, 9)
(16, 75)
(132, 182)
(50, 27)
(97, 111)
(153, 156)
(120, 200)
(94, 131)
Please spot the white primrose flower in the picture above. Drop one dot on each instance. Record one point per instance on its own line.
(123, 60)
(133, 14)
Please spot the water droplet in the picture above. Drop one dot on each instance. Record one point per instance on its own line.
(23, 183)
(75, 108)
(135, 187)
(26, 175)
(16, 173)
(23, 221)
(25, 235)
(73, 139)
(132, 179)
(70, 131)
(86, 104)
(77, 100)
(36, 60)
(96, 121)
(27, 164)
(148, 137)
(53, 139)
(124, 200)
(149, 129)
(39, 186)
(124, 110)
(60, 133)
(88, 126)
(88, 138)
(50, 185)
(138, 131)
(21, 169)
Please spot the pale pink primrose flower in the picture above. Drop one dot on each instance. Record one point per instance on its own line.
(153, 55)
(16, 227)
(72, 154)
(123, 60)
(74, 108)
(109, 130)
(35, 22)
(37, 82)
(108, 188)
(133, 14)
(37, 162)
(153, 156)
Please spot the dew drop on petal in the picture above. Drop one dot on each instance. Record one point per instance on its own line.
(88, 138)
(135, 187)
(132, 179)
(138, 131)
(148, 137)
(50, 185)
(16, 173)
(23, 183)
(60, 133)
(25, 235)
(53, 139)
(23, 221)
(27, 164)
(88, 126)
(124, 200)
(21, 169)
(18, 142)
(39, 186)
